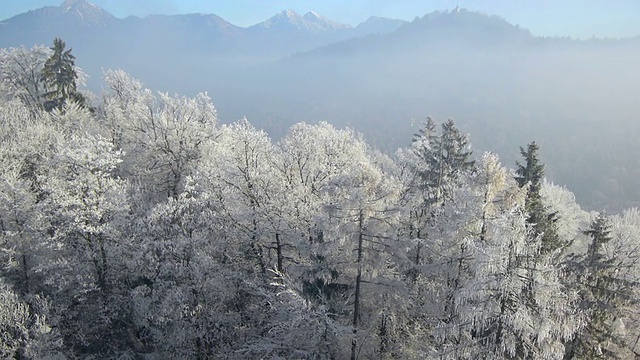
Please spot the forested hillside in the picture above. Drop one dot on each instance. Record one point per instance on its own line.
(134, 226)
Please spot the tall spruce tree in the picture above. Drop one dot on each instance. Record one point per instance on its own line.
(539, 217)
(437, 164)
(60, 76)
(603, 296)
(442, 159)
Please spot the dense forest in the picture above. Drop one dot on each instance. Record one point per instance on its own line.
(134, 226)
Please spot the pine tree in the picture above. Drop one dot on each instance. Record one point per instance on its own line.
(603, 296)
(543, 222)
(424, 148)
(456, 154)
(441, 160)
(60, 76)
(437, 164)
(514, 305)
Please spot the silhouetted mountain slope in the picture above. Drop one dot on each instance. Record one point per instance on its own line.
(378, 25)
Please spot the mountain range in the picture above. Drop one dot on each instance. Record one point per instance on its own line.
(79, 21)
(502, 84)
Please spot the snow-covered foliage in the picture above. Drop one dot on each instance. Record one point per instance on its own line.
(142, 228)
(20, 71)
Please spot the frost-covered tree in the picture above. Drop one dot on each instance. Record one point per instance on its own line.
(126, 110)
(312, 158)
(606, 276)
(86, 203)
(86, 210)
(21, 230)
(441, 160)
(21, 75)
(624, 249)
(240, 172)
(193, 298)
(570, 217)
(464, 224)
(603, 297)
(516, 305)
(360, 205)
(498, 294)
(25, 333)
(436, 165)
(436, 171)
(182, 298)
(29, 142)
(162, 136)
(313, 155)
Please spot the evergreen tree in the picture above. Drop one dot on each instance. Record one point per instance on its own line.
(455, 152)
(441, 160)
(437, 164)
(435, 170)
(603, 296)
(424, 148)
(60, 76)
(543, 222)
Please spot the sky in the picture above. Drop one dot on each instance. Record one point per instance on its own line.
(574, 18)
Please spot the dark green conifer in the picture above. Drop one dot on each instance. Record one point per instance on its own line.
(603, 297)
(59, 75)
(543, 221)
(443, 159)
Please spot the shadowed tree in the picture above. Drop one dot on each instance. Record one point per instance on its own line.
(604, 294)
(60, 76)
(543, 221)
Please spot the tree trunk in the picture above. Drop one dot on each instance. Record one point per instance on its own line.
(279, 253)
(356, 304)
(383, 333)
(25, 274)
(103, 265)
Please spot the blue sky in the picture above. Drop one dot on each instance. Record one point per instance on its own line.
(574, 18)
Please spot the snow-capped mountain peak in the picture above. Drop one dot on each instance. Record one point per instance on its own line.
(312, 15)
(69, 4)
(85, 11)
(310, 22)
(79, 6)
(291, 14)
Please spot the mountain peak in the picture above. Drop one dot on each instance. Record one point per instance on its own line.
(379, 25)
(464, 24)
(85, 11)
(80, 5)
(289, 14)
(68, 4)
(311, 22)
(312, 15)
